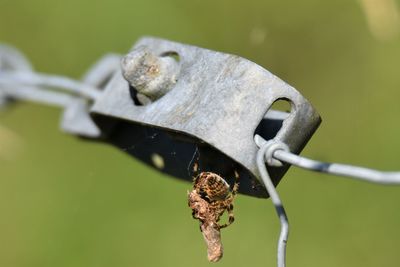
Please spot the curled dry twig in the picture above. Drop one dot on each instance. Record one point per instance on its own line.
(208, 225)
(210, 198)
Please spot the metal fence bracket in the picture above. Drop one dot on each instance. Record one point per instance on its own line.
(182, 104)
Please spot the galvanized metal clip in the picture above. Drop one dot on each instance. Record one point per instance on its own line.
(172, 104)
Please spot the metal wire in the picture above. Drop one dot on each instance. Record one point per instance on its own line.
(283, 236)
(34, 94)
(281, 154)
(19, 81)
(102, 70)
(45, 80)
(12, 59)
(356, 172)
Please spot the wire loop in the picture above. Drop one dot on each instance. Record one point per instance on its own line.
(266, 179)
(273, 150)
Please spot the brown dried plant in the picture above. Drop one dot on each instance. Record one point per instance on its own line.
(210, 198)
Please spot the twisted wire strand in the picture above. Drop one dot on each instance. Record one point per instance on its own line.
(19, 81)
(8, 78)
(34, 94)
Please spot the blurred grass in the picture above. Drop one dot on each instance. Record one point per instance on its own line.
(67, 202)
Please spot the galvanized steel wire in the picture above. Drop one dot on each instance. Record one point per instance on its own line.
(270, 151)
(19, 81)
(280, 210)
(8, 78)
(359, 173)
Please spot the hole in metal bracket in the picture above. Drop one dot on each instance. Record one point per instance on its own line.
(269, 128)
(171, 54)
(134, 95)
(273, 120)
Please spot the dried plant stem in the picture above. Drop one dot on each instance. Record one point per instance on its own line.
(212, 236)
(208, 225)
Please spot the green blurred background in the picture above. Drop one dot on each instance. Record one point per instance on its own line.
(67, 202)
